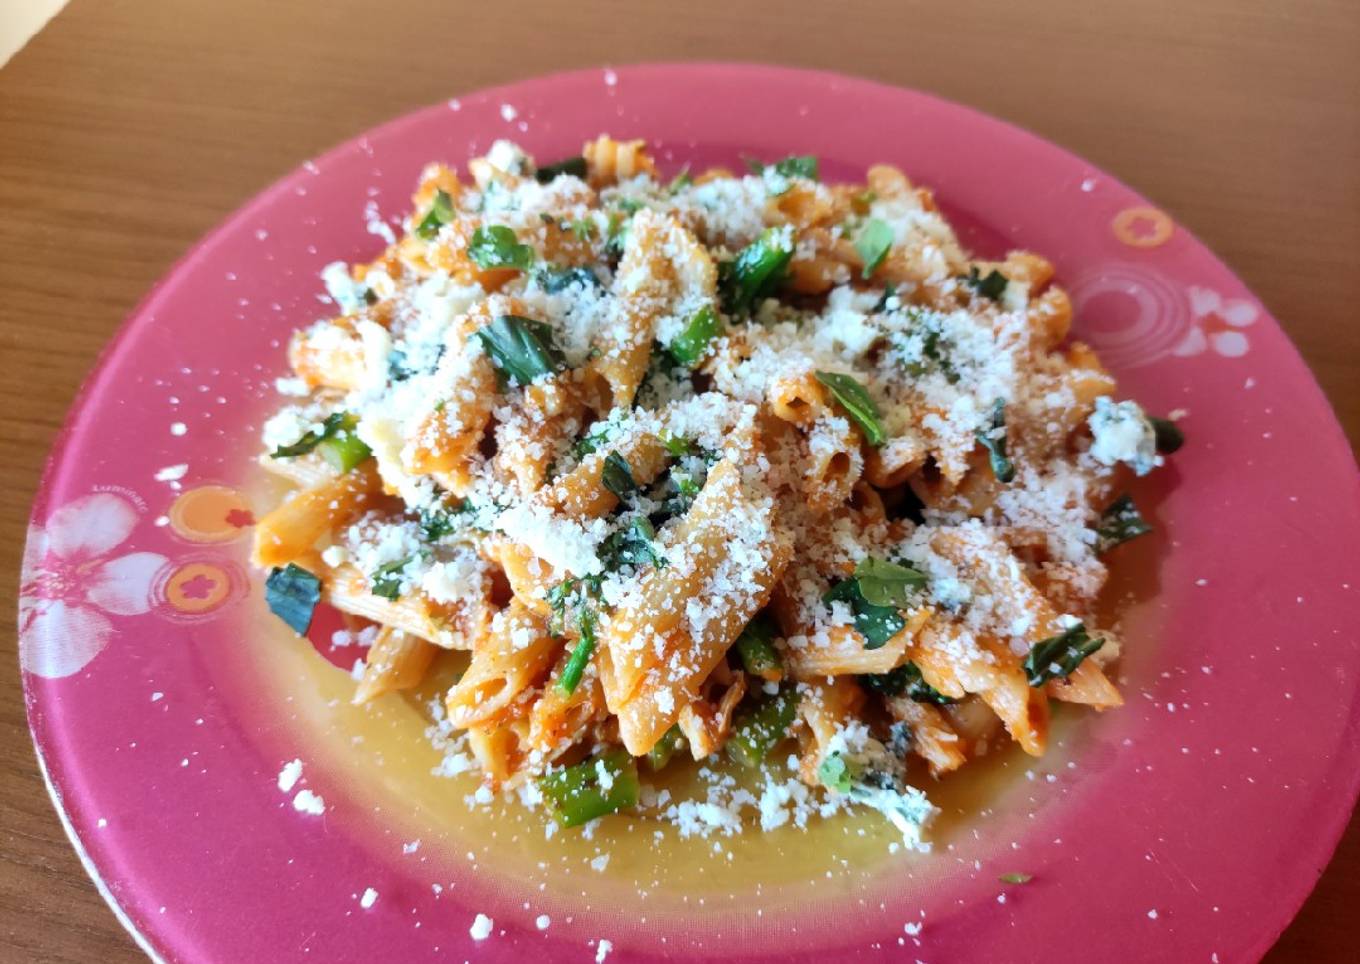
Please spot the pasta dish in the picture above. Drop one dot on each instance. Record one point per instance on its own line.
(743, 467)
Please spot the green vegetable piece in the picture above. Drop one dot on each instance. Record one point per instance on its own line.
(659, 755)
(837, 773)
(905, 680)
(873, 243)
(521, 347)
(440, 214)
(858, 404)
(495, 246)
(553, 280)
(1058, 656)
(755, 647)
(992, 437)
(292, 594)
(883, 583)
(992, 286)
(575, 166)
(877, 624)
(617, 475)
(689, 347)
(796, 165)
(1120, 522)
(757, 271)
(581, 653)
(337, 443)
(680, 181)
(386, 579)
(594, 787)
(582, 228)
(758, 732)
(1016, 878)
(1169, 435)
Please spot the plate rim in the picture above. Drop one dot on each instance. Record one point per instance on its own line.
(1325, 838)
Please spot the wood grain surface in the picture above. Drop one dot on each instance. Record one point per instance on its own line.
(128, 128)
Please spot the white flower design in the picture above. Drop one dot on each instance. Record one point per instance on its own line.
(1217, 324)
(69, 586)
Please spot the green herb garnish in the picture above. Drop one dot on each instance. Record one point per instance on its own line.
(757, 271)
(883, 583)
(440, 214)
(992, 286)
(617, 475)
(905, 680)
(873, 243)
(992, 437)
(553, 280)
(1120, 522)
(521, 347)
(337, 442)
(575, 166)
(680, 181)
(1058, 656)
(292, 594)
(1016, 878)
(689, 347)
(633, 545)
(495, 246)
(836, 773)
(854, 398)
(877, 624)
(386, 579)
(1169, 435)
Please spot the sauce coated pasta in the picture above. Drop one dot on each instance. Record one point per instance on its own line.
(751, 466)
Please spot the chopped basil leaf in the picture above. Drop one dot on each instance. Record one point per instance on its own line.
(1120, 522)
(386, 579)
(877, 624)
(993, 285)
(855, 399)
(1016, 878)
(521, 347)
(436, 523)
(553, 280)
(575, 166)
(617, 475)
(1058, 656)
(884, 583)
(632, 546)
(992, 437)
(292, 594)
(690, 346)
(1169, 435)
(582, 228)
(934, 348)
(440, 214)
(337, 443)
(757, 271)
(495, 246)
(905, 679)
(589, 442)
(796, 165)
(873, 243)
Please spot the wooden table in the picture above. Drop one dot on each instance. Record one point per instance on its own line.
(127, 129)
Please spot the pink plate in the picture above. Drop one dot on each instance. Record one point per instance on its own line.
(164, 701)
